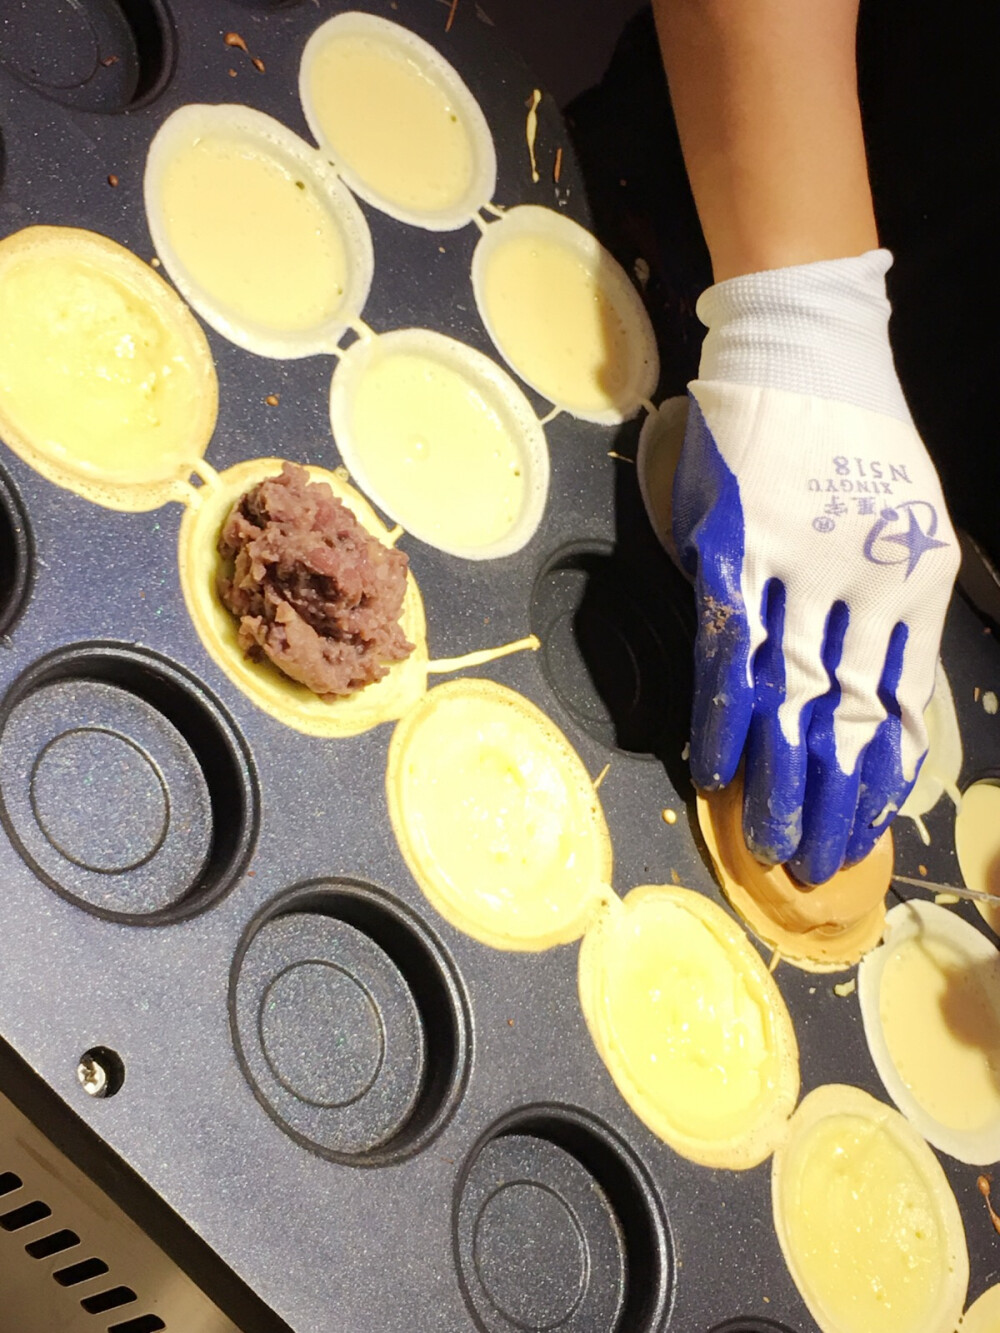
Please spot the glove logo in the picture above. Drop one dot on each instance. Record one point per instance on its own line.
(902, 528)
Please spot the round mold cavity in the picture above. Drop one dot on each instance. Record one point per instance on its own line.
(350, 1022)
(256, 288)
(564, 315)
(137, 424)
(90, 55)
(432, 430)
(397, 122)
(614, 650)
(16, 555)
(124, 785)
(270, 689)
(558, 1226)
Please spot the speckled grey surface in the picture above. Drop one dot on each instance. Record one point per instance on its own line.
(375, 1248)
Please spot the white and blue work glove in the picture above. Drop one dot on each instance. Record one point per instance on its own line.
(812, 520)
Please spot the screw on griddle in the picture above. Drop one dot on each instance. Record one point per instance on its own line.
(100, 1072)
(93, 1077)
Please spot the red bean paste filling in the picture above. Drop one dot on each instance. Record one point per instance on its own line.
(314, 592)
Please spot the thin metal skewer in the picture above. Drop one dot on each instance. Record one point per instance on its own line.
(959, 890)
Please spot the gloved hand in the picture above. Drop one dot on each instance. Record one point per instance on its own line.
(812, 520)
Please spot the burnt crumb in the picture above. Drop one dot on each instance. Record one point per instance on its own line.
(715, 615)
(314, 592)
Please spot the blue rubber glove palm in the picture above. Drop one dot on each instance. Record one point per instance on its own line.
(823, 558)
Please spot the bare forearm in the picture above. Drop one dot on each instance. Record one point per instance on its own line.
(765, 97)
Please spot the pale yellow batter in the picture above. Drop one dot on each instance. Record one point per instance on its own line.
(983, 1316)
(564, 315)
(262, 682)
(930, 999)
(107, 384)
(442, 440)
(977, 842)
(691, 1026)
(259, 242)
(496, 817)
(256, 230)
(943, 761)
(397, 121)
(660, 442)
(867, 1222)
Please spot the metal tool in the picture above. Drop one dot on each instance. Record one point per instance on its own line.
(959, 890)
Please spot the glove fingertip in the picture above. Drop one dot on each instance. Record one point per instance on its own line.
(862, 842)
(719, 724)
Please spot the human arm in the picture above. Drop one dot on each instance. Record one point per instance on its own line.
(765, 98)
(805, 506)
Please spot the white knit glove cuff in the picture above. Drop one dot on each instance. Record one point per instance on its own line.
(818, 329)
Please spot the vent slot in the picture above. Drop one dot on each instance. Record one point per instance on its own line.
(56, 1242)
(108, 1300)
(81, 1272)
(9, 1182)
(73, 1274)
(24, 1216)
(53, 1244)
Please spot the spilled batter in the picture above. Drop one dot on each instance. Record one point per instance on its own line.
(977, 843)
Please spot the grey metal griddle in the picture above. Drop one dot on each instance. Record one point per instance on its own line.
(472, 1166)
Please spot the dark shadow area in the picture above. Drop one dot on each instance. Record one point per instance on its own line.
(617, 628)
(751, 1326)
(928, 92)
(156, 46)
(16, 553)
